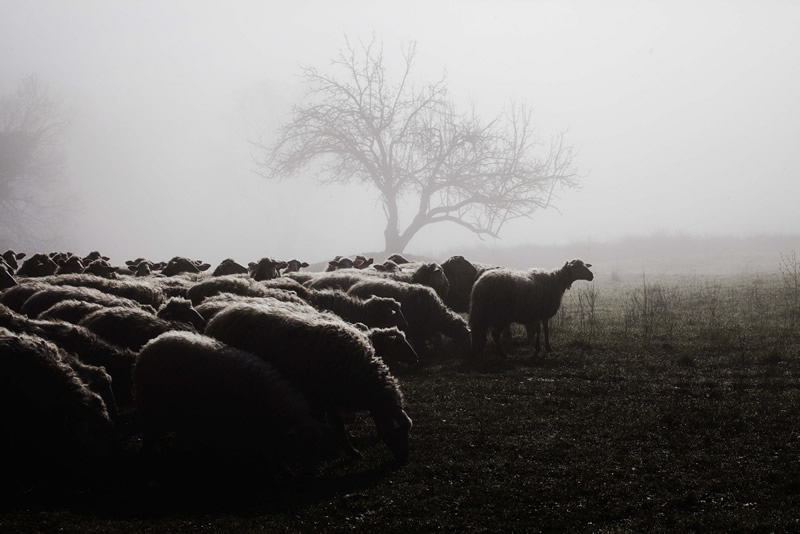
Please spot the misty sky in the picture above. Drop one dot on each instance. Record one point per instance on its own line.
(686, 115)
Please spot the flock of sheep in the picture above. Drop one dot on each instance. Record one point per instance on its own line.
(265, 362)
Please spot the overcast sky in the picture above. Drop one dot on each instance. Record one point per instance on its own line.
(686, 115)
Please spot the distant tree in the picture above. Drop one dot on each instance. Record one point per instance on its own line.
(32, 125)
(411, 142)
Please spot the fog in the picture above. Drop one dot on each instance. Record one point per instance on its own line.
(685, 115)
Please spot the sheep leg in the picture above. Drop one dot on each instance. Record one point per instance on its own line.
(532, 329)
(546, 328)
(478, 341)
(340, 434)
(497, 336)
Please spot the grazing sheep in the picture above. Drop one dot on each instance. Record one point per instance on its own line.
(53, 424)
(328, 360)
(70, 310)
(179, 265)
(14, 297)
(229, 266)
(140, 291)
(425, 312)
(391, 346)
(43, 299)
(177, 309)
(461, 274)
(387, 266)
(266, 269)
(213, 305)
(238, 285)
(129, 328)
(85, 345)
(219, 399)
(37, 265)
(504, 296)
(372, 311)
(287, 284)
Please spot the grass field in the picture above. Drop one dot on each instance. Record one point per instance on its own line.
(667, 405)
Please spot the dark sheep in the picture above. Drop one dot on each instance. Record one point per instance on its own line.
(11, 258)
(397, 259)
(328, 360)
(37, 265)
(43, 299)
(14, 297)
(100, 267)
(143, 292)
(287, 284)
(6, 276)
(504, 296)
(266, 269)
(238, 285)
(180, 264)
(180, 310)
(213, 305)
(85, 345)
(372, 311)
(70, 310)
(221, 399)
(53, 424)
(391, 346)
(129, 328)
(425, 312)
(229, 266)
(71, 265)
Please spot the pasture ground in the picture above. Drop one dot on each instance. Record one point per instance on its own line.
(667, 405)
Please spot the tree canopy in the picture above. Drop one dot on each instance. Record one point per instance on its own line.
(410, 142)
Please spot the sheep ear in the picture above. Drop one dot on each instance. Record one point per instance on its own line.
(304, 265)
(588, 264)
(20, 255)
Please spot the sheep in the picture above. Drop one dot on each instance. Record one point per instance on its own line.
(218, 398)
(387, 266)
(302, 278)
(286, 284)
(37, 265)
(328, 360)
(229, 266)
(294, 265)
(85, 345)
(461, 274)
(213, 305)
(180, 264)
(342, 280)
(100, 267)
(6, 276)
(391, 346)
(53, 424)
(71, 265)
(397, 259)
(130, 328)
(266, 269)
(238, 285)
(140, 291)
(428, 274)
(372, 311)
(504, 296)
(70, 310)
(44, 298)
(180, 310)
(423, 309)
(14, 297)
(11, 257)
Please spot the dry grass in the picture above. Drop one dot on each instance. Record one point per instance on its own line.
(668, 405)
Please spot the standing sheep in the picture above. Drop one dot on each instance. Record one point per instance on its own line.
(53, 424)
(266, 269)
(504, 296)
(425, 312)
(373, 311)
(331, 362)
(219, 399)
(130, 328)
(229, 266)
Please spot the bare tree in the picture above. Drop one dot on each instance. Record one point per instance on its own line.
(32, 125)
(411, 142)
